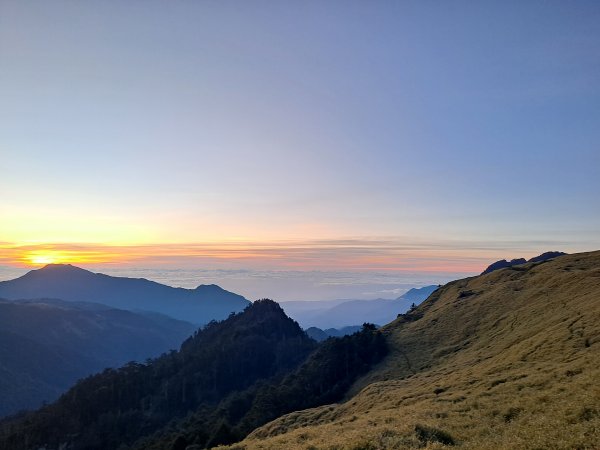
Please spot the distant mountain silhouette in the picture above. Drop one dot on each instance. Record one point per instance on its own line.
(320, 335)
(354, 312)
(317, 334)
(546, 256)
(67, 282)
(514, 262)
(47, 345)
(417, 295)
(503, 264)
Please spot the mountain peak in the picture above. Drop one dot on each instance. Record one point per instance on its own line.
(72, 283)
(209, 287)
(53, 270)
(514, 262)
(59, 267)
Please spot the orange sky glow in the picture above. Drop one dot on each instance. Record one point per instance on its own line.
(349, 254)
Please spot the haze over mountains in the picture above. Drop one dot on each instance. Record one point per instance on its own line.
(345, 313)
(47, 345)
(67, 282)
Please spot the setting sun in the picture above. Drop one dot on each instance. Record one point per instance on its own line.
(43, 260)
(44, 257)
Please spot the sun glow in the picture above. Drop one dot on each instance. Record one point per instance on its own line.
(346, 254)
(44, 257)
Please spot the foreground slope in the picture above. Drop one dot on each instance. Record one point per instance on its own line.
(506, 360)
(46, 345)
(67, 282)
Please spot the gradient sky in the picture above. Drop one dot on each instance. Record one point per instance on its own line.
(338, 135)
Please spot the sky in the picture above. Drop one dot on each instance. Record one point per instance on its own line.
(417, 140)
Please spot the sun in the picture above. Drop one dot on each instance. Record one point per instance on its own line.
(43, 260)
(43, 257)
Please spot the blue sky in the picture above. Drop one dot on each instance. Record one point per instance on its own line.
(457, 125)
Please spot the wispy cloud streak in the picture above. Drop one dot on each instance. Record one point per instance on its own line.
(389, 254)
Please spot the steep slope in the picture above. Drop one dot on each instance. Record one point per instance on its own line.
(67, 282)
(506, 360)
(226, 380)
(47, 345)
(119, 406)
(323, 378)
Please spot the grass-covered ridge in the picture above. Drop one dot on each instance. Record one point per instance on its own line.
(506, 360)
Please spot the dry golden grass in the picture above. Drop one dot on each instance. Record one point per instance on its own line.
(508, 360)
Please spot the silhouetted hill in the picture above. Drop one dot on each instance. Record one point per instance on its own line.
(67, 282)
(47, 345)
(506, 360)
(502, 264)
(546, 256)
(320, 335)
(343, 313)
(418, 295)
(317, 334)
(226, 380)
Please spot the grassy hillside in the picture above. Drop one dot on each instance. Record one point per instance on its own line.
(506, 360)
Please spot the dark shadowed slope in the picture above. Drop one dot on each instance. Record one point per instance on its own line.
(47, 345)
(225, 381)
(118, 406)
(67, 282)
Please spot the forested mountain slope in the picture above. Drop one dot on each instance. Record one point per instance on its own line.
(226, 380)
(118, 406)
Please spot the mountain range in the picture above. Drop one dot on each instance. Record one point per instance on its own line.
(344, 313)
(320, 335)
(70, 283)
(47, 345)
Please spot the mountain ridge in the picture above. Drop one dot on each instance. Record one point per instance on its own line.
(501, 264)
(46, 345)
(72, 283)
(345, 313)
